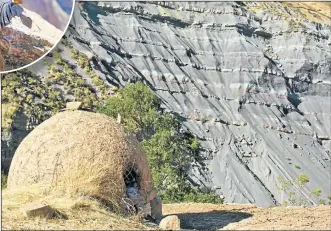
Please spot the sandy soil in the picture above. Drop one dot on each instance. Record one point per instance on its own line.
(248, 217)
(87, 214)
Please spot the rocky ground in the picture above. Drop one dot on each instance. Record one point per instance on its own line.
(22, 49)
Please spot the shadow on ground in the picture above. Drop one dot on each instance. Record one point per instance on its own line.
(210, 220)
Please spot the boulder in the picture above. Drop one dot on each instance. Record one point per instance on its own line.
(170, 223)
(37, 210)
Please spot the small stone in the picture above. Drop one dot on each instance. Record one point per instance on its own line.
(37, 210)
(236, 123)
(323, 137)
(74, 105)
(119, 118)
(170, 223)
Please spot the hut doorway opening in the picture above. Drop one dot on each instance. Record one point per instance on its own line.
(131, 180)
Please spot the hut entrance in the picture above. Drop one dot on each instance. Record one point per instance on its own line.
(131, 180)
(132, 183)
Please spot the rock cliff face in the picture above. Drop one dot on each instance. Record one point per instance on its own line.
(250, 80)
(56, 12)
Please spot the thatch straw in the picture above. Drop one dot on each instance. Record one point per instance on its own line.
(80, 153)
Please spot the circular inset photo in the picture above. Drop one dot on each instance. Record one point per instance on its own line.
(29, 29)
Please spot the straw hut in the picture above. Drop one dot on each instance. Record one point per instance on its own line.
(85, 153)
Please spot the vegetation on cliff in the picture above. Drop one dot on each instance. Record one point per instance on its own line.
(170, 151)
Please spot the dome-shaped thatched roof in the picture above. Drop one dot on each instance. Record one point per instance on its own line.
(80, 152)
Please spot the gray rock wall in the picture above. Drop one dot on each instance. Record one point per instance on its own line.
(254, 91)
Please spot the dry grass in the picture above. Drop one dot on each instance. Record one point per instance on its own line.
(319, 12)
(314, 11)
(84, 213)
(90, 178)
(72, 213)
(79, 153)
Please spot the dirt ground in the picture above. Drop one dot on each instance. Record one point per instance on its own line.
(87, 214)
(248, 217)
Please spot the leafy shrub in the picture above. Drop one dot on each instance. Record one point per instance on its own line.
(302, 180)
(74, 53)
(3, 180)
(200, 197)
(66, 42)
(57, 56)
(316, 192)
(83, 61)
(289, 188)
(329, 198)
(169, 151)
(25, 91)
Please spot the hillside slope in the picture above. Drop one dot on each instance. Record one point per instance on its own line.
(250, 80)
(56, 12)
(40, 28)
(26, 40)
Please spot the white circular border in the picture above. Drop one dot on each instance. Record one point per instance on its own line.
(41, 57)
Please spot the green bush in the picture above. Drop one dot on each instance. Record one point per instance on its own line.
(74, 53)
(329, 198)
(169, 151)
(200, 197)
(3, 180)
(137, 106)
(289, 187)
(66, 42)
(57, 56)
(321, 202)
(25, 91)
(316, 192)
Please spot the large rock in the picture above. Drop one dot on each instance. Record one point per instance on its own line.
(37, 210)
(170, 223)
